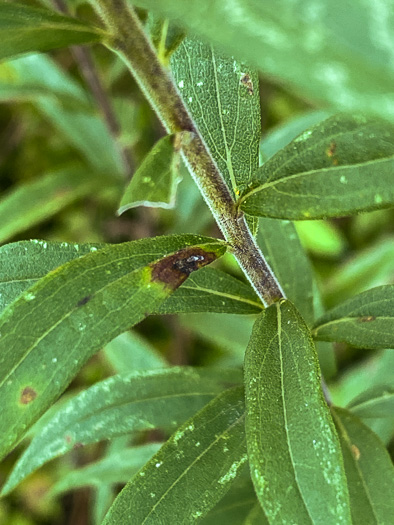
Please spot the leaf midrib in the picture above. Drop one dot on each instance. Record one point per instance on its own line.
(331, 170)
(280, 353)
(217, 438)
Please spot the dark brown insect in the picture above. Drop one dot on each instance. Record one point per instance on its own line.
(247, 82)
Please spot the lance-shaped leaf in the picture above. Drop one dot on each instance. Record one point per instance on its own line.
(130, 351)
(120, 405)
(321, 238)
(286, 256)
(339, 167)
(364, 321)
(117, 467)
(369, 470)
(196, 466)
(294, 452)
(230, 333)
(256, 516)
(165, 36)
(368, 268)
(279, 137)
(25, 29)
(50, 331)
(155, 182)
(331, 52)
(33, 202)
(236, 503)
(212, 291)
(23, 263)
(71, 112)
(374, 402)
(222, 95)
(41, 75)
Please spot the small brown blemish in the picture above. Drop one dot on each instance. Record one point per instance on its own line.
(330, 152)
(77, 445)
(356, 452)
(68, 439)
(84, 300)
(28, 395)
(367, 318)
(247, 82)
(174, 269)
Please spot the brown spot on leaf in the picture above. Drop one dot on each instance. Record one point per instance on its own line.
(77, 445)
(68, 439)
(84, 300)
(247, 82)
(330, 152)
(28, 395)
(367, 318)
(356, 452)
(174, 269)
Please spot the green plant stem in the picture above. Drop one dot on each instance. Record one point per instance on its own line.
(131, 44)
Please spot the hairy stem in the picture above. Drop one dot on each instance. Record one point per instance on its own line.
(132, 45)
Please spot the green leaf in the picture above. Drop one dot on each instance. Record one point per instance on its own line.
(368, 374)
(279, 137)
(23, 263)
(33, 202)
(196, 466)
(165, 36)
(222, 95)
(50, 331)
(256, 516)
(294, 453)
(321, 238)
(368, 268)
(236, 503)
(42, 76)
(117, 467)
(130, 351)
(374, 371)
(155, 182)
(364, 321)
(329, 51)
(342, 166)
(25, 29)
(120, 405)
(369, 470)
(212, 291)
(284, 253)
(325, 350)
(38, 78)
(374, 402)
(230, 332)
